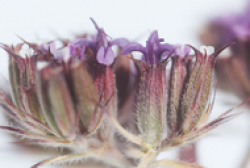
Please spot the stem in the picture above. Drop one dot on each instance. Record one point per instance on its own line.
(128, 135)
(188, 153)
(147, 159)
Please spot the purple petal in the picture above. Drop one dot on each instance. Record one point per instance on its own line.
(133, 47)
(153, 38)
(105, 58)
(153, 55)
(77, 47)
(72, 49)
(151, 52)
(100, 55)
(166, 46)
(241, 31)
(165, 54)
(102, 39)
(165, 49)
(84, 42)
(182, 51)
(121, 42)
(109, 56)
(93, 37)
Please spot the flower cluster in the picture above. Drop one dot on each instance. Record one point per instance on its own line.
(73, 97)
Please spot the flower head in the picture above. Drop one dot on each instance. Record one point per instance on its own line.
(68, 98)
(101, 46)
(154, 51)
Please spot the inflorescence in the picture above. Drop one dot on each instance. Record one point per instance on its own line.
(82, 95)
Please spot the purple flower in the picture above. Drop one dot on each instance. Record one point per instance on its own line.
(101, 46)
(76, 50)
(233, 27)
(154, 51)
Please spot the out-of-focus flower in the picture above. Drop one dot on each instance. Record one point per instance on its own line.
(232, 69)
(226, 29)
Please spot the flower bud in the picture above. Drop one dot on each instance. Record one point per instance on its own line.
(85, 93)
(104, 81)
(197, 91)
(56, 101)
(16, 72)
(151, 102)
(190, 94)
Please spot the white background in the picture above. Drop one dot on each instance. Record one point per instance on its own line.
(178, 21)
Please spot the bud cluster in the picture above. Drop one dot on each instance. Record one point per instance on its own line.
(72, 97)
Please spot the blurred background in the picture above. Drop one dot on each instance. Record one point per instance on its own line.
(178, 21)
